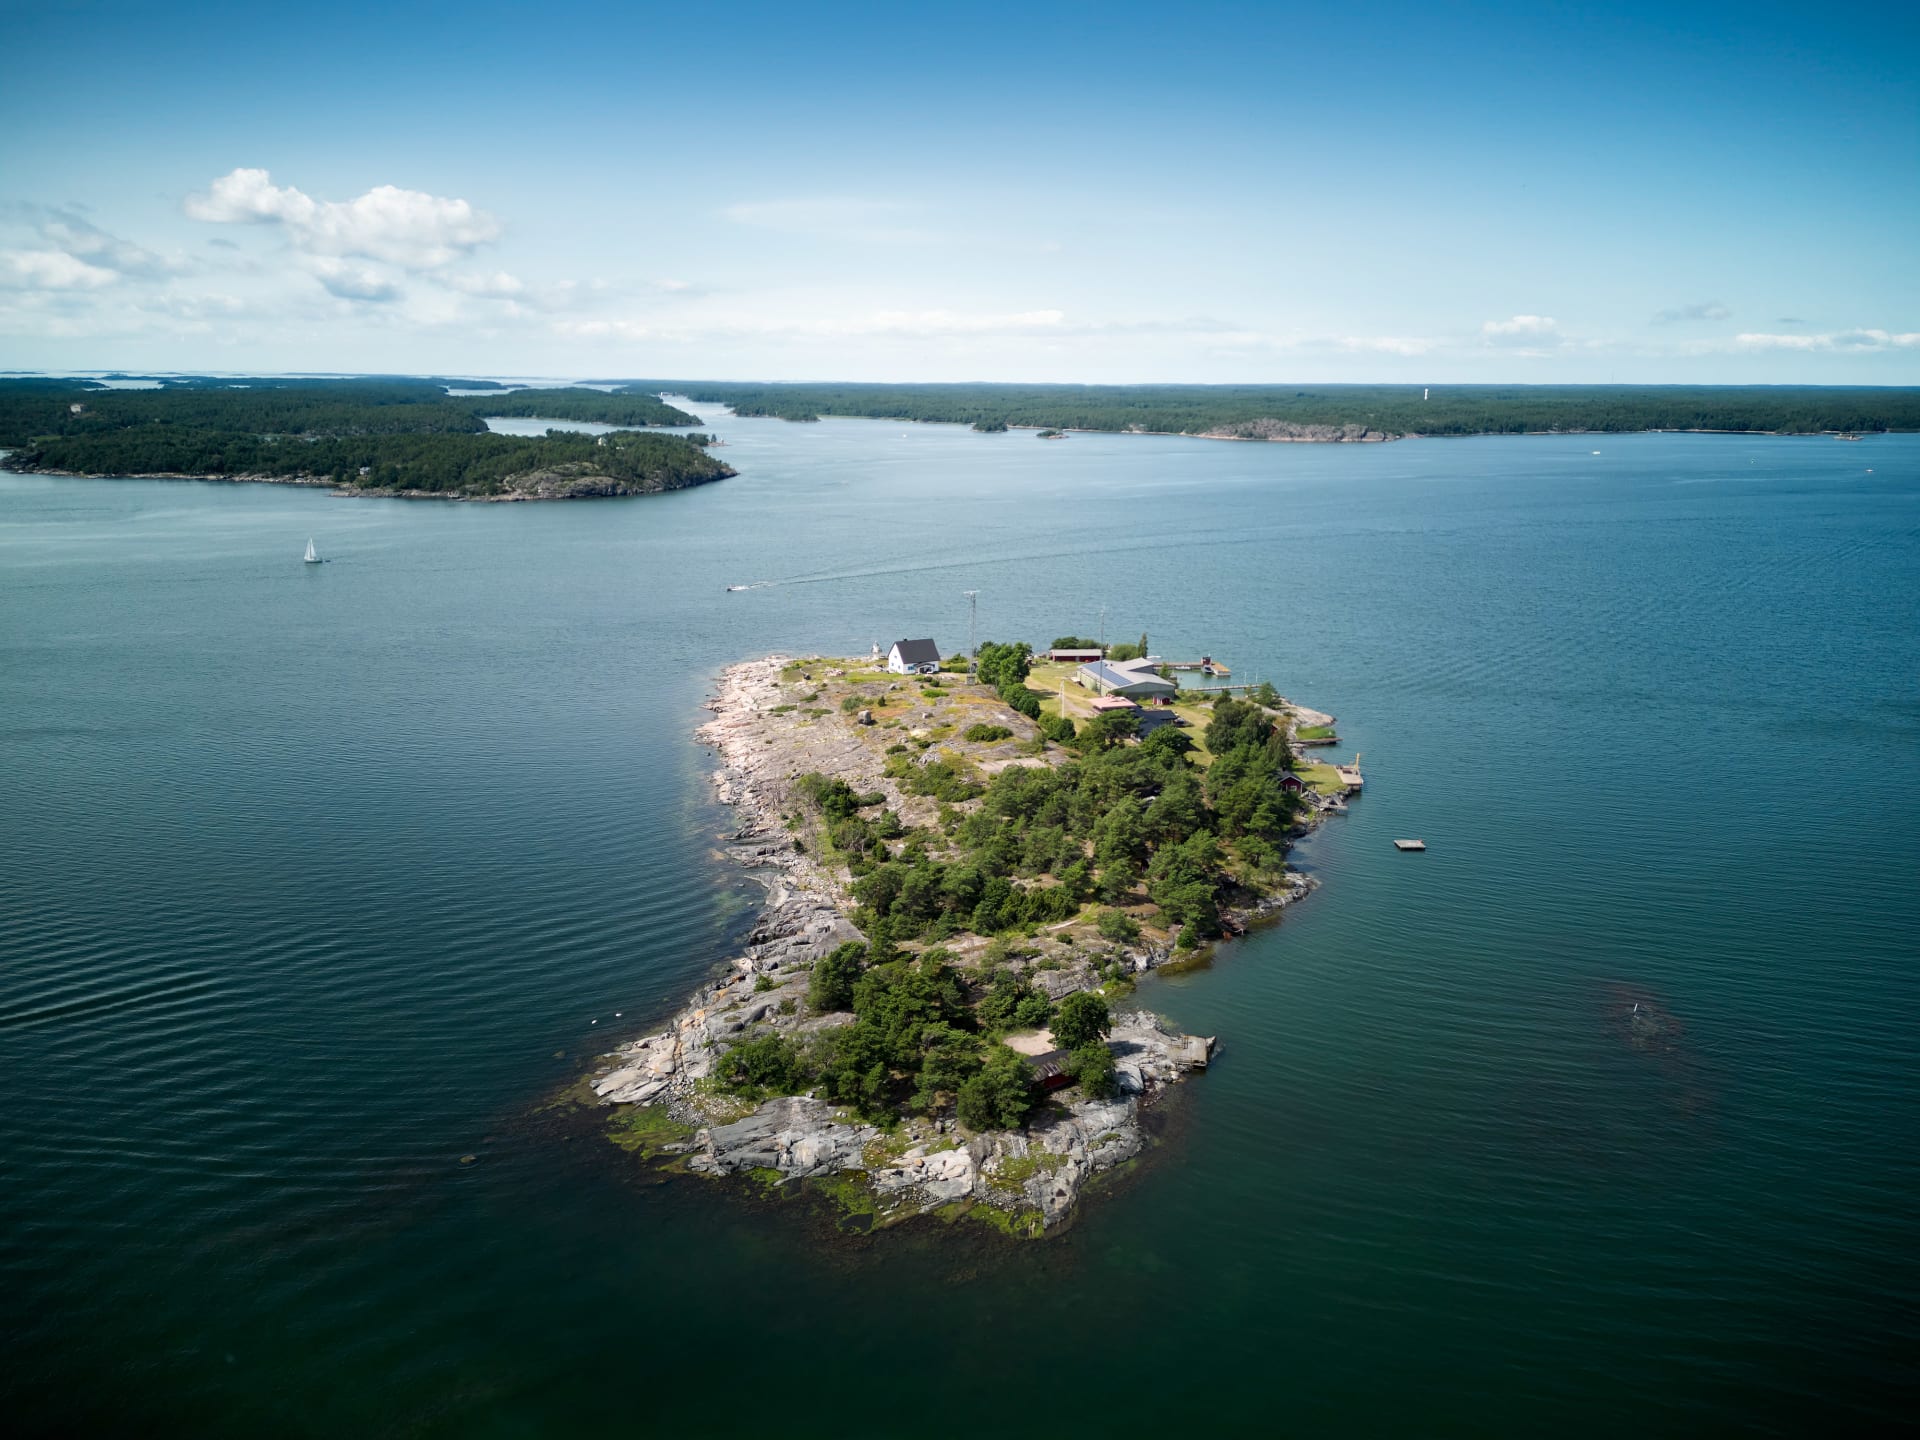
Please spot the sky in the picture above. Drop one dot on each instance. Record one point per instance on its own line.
(1116, 193)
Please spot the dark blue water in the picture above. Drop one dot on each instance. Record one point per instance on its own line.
(313, 880)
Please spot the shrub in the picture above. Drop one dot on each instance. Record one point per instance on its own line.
(769, 1063)
(986, 734)
(1119, 927)
(1091, 1066)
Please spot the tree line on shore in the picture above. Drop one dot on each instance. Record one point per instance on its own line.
(376, 435)
(1391, 409)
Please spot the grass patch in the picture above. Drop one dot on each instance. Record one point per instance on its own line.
(1315, 732)
(646, 1130)
(1013, 1171)
(881, 1154)
(1323, 778)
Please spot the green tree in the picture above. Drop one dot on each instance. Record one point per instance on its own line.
(949, 1058)
(830, 986)
(1082, 1019)
(1236, 723)
(1106, 730)
(1119, 927)
(1091, 1066)
(1004, 665)
(999, 1097)
(880, 947)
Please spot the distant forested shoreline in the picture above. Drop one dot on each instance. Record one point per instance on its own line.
(372, 436)
(1333, 412)
(390, 435)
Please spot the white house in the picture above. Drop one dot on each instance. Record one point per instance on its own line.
(914, 657)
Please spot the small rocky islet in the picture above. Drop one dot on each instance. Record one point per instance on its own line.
(784, 729)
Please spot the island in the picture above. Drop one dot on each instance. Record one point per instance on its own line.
(1333, 414)
(966, 878)
(395, 438)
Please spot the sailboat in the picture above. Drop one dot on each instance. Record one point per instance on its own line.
(313, 555)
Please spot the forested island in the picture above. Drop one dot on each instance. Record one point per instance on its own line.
(380, 437)
(934, 1013)
(1334, 412)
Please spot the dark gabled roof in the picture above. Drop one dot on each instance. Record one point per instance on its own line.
(1051, 1065)
(918, 652)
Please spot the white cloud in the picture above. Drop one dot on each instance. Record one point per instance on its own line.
(1706, 310)
(77, 236)
(1854, 340)
(1521, 328)
(408, 228)
(349, 281)
(52, 270)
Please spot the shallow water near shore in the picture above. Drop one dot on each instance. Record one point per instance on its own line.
(314, 880)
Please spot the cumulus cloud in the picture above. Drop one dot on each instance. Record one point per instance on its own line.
(1706, 310)
(350, 281)
(408, 228)
(1522, 328)
(1842, 340)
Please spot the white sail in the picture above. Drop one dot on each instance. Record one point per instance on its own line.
(313, 556)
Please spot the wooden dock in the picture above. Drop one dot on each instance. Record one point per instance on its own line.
(1409, 844)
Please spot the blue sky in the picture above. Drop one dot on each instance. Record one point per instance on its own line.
(1430, 193)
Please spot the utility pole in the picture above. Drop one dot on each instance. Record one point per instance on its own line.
(973, 603)
(1103, 631)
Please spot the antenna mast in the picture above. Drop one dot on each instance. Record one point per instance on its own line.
(973, 602)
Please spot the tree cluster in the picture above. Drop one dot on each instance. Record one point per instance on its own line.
(920, 1040)
(1044, 842)
(405, 435)
(1388, 409)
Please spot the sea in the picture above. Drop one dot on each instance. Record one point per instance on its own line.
(321, 884)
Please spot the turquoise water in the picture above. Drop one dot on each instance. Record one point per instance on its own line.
(314, 880)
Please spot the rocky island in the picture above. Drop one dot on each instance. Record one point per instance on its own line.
(934, 1012)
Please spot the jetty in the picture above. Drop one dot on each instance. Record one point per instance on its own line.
(1409, 844)
(1350, 775)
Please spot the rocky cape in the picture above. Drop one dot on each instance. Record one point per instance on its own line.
(566, 482)
(1027, 1182)
(540, 484)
